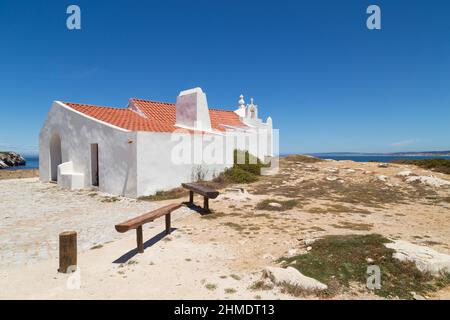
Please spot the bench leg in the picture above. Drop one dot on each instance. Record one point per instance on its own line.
(206, 203)
(191, 197)
(139, 240)
(168, 223)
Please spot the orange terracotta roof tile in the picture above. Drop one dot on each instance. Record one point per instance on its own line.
(158, 116)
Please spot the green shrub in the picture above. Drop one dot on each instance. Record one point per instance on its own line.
(246, 172)
(238, 175)
(251, 164)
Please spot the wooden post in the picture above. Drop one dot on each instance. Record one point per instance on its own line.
(168, 223)
(67, 250)
(206, 203)
(139, 240)
(191, 197)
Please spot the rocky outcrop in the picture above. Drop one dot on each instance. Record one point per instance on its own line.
(426, 259)
(11, 159)
(293, 277)
(430, 181)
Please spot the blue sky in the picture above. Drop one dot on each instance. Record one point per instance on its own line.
(328, 82)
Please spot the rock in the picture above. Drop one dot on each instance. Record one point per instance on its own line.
(417, 296)
(11, 159)
(370, 260)
(275, 205)
(383, 165)
(332, 178)
(426, 259)
(404, 173)
(292, 252)
(292, 276)
(309, 242)
(430, 181)
(309, 248)
(236, 190)
(381, 177)
(237, 194)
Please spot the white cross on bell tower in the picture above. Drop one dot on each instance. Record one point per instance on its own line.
(241, 102)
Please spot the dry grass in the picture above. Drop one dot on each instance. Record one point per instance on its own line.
(230, 290)
(110, 199)
(213, 215)
(211, 286)
(337, 208)
(175, 193)
(354, 226)
(365, 193)
(333, 288)
(437, 164)
(302, 158)
(374, 194)
(234, 226)
(261, 285)
(235, 277)
(445, 199)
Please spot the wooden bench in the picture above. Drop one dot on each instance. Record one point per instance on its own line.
(136, 223)
(206, 192)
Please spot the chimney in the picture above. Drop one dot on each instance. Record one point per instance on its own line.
(192, 110)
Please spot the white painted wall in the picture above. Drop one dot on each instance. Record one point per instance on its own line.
(117, 157)
(157, 167)
(160, 166)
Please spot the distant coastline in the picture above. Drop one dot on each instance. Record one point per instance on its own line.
(395, 154)
(380, 157)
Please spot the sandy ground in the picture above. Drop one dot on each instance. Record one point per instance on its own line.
(18, 174)
(210, 257)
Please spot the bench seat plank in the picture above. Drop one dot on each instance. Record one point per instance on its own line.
(145, 218)
(202, 190)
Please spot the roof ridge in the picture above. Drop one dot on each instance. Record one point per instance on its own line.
(154, 101)
(93, 105)
(173, 104)
(224, 110)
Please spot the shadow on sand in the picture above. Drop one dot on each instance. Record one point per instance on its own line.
(130, 254)
(197, 208)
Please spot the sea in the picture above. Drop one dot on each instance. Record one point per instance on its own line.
(33, 161)
(377, 158)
